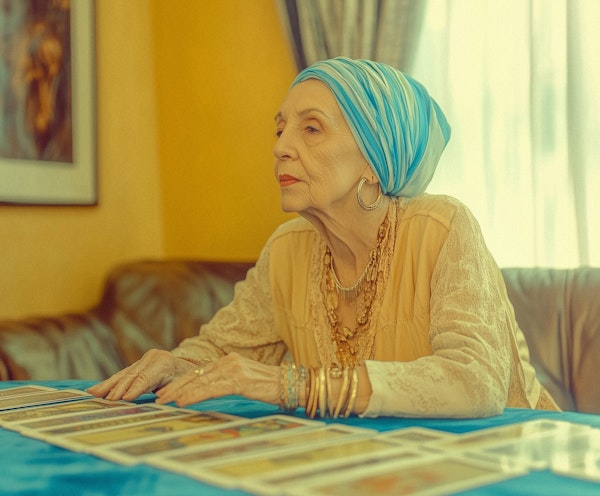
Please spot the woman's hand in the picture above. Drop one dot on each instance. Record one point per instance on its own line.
(155, 369)
(231, 374)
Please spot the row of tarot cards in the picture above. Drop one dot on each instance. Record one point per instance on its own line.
(280, 454)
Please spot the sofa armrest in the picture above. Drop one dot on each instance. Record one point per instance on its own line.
(584, 314)
(538, 297)
(76, 346)
(145, 304)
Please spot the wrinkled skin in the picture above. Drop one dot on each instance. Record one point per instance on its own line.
(177, 380)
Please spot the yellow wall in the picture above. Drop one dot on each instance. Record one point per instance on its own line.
(54, 259)
(187, 91)
(222, 69)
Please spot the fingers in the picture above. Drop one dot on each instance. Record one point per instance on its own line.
(193, 387)
(151, 371)
(230, 374)
(123, 385)
(165, 394)
(129, 387)
(101, 389)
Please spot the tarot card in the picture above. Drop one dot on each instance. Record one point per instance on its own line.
(415, 436)
(12, 419)
(71, 421)
(586, 468)
(271, 425)
(195, 457)
(557, 450)
(42, 398)
(282, 482)
(500, 435)
(21, 390)
(433, 475)
(88, 436)
(290, 461)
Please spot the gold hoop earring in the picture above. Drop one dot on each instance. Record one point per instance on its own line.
(362, 204)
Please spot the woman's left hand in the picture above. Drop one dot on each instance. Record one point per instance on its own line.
(231, 374)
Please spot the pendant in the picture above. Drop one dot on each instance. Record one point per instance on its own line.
(347, 333)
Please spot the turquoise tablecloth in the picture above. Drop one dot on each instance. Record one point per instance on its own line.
(32, 467)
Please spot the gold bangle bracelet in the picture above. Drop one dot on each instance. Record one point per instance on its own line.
(330, 405)
(309, 392)
(313, 396)
(353, 394)
(307, 388)
(322, 393)
(342, 394)
(316, 387)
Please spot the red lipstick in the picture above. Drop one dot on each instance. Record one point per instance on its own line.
(287, 180)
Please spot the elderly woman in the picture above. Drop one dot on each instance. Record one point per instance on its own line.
(378, 299)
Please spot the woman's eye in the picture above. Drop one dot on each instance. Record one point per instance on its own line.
(279, 132)
(311, 129)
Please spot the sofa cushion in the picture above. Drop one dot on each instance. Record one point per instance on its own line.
(559, 313)
(158, 303)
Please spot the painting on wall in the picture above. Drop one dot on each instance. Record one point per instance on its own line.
(47, 103)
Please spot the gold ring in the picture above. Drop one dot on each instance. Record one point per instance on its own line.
(199, 372)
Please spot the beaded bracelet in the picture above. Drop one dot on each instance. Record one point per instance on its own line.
(284, 387)
(290, 377)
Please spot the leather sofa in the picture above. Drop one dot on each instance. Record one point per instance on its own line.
(156, 303)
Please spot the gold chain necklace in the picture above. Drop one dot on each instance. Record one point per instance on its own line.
(350, 342)
(349, 293)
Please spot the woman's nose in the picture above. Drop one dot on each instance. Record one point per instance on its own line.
(284, 147)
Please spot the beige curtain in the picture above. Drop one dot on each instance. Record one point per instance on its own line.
(520, 83)
(382, 30)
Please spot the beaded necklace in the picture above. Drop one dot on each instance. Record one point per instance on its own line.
(351, 345)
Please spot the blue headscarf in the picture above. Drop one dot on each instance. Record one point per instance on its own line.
(398, 127)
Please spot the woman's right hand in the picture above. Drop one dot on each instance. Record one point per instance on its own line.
(154, 370)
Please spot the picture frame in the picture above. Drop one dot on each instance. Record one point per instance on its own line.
(48, 103)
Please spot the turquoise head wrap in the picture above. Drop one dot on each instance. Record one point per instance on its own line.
(398, 127)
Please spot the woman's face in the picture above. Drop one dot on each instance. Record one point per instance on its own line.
(317, 161)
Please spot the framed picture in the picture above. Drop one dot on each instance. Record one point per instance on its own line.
(47, 103)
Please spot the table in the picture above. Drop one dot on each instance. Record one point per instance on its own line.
(29, 466)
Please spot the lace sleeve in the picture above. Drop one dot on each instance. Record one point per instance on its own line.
(468, 373)
(245, 326)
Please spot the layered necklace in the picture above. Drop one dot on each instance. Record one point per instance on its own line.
(352, 344)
